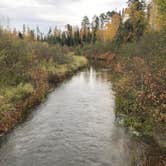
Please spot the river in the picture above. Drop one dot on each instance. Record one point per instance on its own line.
(75, 126)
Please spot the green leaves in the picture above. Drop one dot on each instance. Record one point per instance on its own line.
(162, 6)
(21, 91)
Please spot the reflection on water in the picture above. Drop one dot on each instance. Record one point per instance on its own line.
(74, 127)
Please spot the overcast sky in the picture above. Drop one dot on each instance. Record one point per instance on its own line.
(45, 13)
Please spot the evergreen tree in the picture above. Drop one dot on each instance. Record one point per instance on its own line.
(86, 37)
(95, 28)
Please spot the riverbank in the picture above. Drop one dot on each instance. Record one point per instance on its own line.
(85, 121)
(138, 75)
(28, 69)
(74, 126)
(16, 110)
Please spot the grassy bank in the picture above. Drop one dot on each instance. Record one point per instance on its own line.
(27, 71)
(139, 77)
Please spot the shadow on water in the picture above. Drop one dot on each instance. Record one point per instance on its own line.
(76, 126)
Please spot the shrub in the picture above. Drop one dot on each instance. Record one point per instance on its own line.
(21, 91)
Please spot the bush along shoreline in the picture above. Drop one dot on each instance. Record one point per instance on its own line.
(140, 88)
(33, 97)
(138, 73)
(134, 49)
(28, 70)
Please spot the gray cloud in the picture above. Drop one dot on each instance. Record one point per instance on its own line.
(57, 2)
(54, 12)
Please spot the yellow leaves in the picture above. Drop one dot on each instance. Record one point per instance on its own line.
(20, 91)
(157, 18)
(110, 30)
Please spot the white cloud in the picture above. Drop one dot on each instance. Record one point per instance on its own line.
(47, 13)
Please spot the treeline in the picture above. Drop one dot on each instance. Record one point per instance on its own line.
(124, 26)
(72, 35)
(129, 26)
(103, 27)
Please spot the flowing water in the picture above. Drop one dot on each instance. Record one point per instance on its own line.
(74, 127)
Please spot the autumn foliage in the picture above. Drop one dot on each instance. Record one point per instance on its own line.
(138, 65)
(28, 69)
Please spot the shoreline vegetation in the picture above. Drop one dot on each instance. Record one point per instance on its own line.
(28, 69)
(133, 48)
(138, 73)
